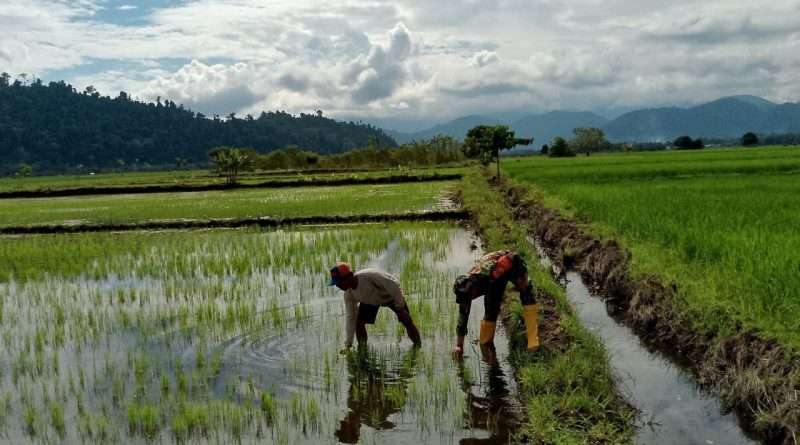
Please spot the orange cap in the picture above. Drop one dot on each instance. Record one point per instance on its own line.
(339, 272)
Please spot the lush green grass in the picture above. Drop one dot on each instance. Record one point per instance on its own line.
(569, 397)
(56, 182)
(195, 177)
(241, 203)
(608, 167)
(720, 223)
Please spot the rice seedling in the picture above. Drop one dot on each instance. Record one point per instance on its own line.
(5, 409)
(57, 419)
(269, 407)
(192, 177)
(176, 336)
(95, 427)
(237, 204)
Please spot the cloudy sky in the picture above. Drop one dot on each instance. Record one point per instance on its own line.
(409, 64)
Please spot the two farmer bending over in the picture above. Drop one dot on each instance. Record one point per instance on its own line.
(489, 277)
(367, 290)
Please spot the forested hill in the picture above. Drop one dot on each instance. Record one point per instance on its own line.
(53, 127)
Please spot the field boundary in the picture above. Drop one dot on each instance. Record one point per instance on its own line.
(91, 191)
(570, 359)
(753, 375)
(432, 215)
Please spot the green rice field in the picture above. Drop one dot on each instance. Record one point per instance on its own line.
(232, 336)
(197, 177)
(721, 223)
(236, 203)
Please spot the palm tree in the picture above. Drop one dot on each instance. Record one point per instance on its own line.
(230, 161)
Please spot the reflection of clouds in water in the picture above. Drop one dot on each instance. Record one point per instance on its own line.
(674, 409)
(381, 393)
(236, 313)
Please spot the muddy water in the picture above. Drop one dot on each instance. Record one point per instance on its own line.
(674, 410)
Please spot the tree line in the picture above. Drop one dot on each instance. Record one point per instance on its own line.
(229, 161)
(591, 140)
(55, 128)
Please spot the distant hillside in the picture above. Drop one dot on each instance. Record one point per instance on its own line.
(456, 128)
(53, 126)
(546, 127)
(543, 128)
(729, 117)
(725, 118)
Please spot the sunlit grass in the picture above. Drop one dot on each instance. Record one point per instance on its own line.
(243, 203)
(721, 224)
(195, 177)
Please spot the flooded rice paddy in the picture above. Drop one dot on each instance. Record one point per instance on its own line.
(233, 336)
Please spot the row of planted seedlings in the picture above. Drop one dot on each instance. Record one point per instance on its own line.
(228, 335)
(276, 203)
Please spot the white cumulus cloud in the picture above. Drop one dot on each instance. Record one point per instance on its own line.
(483, 58)
(412, 59)
(207, 88)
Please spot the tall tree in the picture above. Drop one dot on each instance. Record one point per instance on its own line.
(687, 143)
(588, 140)
(24, 170)
(486, 141)
(683, 142)
(749, 139)
(560, 148)
(229, 161)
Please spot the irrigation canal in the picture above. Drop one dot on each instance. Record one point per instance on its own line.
(674, 409)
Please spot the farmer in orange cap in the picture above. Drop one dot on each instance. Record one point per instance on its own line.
(490, 276)
(364, 293)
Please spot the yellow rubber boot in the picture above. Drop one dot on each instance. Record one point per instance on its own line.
(531, 326)
(487, 331)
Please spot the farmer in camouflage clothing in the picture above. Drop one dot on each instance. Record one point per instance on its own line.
(489, 278)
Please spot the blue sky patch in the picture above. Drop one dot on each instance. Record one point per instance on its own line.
(129, 12)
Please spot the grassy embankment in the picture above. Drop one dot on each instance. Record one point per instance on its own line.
(568, 388)
(722, 224)
(198, 178)
(244, 203)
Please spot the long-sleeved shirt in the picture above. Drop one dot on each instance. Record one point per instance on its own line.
(375, 287)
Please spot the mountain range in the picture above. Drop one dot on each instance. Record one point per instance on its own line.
(728, 117)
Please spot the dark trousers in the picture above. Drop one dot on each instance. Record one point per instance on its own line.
(494, 298)
(367, 314)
